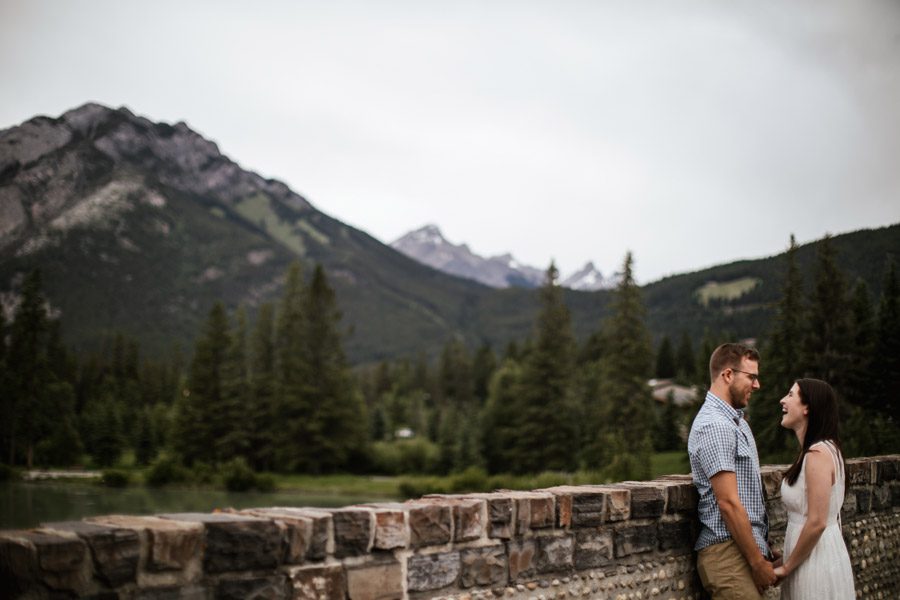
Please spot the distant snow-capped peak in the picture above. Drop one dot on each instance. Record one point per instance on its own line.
(428, 245)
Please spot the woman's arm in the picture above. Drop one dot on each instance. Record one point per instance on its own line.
(819, 471)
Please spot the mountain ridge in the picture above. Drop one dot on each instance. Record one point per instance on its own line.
(140, 227)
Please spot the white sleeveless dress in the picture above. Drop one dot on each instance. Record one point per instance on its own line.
(826, 573)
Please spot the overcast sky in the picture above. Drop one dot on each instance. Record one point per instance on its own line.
(691, 133)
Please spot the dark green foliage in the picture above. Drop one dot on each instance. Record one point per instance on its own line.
(886, 360)
(667, 426)
(115, 478)
(166, 470)
(665, 360)
(624, 422)
(499, 435)
(199, 422)
(780, 364)
(233, 439)
(262, 409)
(685, 361)
(146, 448)
(238, 476)
(63, 446)
(483, 366)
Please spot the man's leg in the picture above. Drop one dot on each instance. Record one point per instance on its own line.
(725, 573)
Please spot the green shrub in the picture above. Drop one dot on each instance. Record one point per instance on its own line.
(238, 476)
(166, 470)
(405, 456)
(473, 479)
(265, 483)
(7, 473)
(414, 487)
(115, 478)
(202, 472)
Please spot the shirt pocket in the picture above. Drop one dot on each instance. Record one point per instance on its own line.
(744, 451)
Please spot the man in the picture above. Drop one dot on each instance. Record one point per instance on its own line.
(733, 552)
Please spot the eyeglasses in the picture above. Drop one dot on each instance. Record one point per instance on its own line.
(753, 376)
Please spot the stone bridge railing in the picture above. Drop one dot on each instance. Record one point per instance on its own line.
(629, 540)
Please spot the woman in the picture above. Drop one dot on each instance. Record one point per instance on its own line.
(816, 564)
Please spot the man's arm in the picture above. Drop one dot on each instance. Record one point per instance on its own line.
(724, 484)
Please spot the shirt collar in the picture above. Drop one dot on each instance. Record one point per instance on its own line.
(735, 414)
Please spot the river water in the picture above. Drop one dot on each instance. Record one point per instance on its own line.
(26, 504)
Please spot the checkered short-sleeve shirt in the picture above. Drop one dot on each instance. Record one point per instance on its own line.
(721, 440)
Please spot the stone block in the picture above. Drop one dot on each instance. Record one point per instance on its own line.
(235, 542)
(632, 538)
(391, 530)
(579, 506)
(521, 556)
(353, 531)
(881, 497)
(648, 499)
(483, 567)
(317, 582)
(555, 553)
(469, 518)
(681, 496)
(500, 517)
(427, 572)
(115, 550)
(849, 509)
(375, 581)
(895, 494)
(296, 532)
(172, 550)
(429, 524)
(273, 587)
(860, 471)
(771, 478)
(593, 548)
(618, 504)
(172, 592)
(534, 510)
(863, 499)
(888, 469)
(777, 513)
(676, 534)
(322, 525)
(31, 560)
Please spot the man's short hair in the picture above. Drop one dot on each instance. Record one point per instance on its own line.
(729, 356)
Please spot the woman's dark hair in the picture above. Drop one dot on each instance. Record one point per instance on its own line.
(821, 400)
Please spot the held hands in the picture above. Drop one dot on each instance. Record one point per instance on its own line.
(764, 574)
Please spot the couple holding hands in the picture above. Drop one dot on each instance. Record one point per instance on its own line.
(734, 558)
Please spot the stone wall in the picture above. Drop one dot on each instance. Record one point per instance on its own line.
(629, 540)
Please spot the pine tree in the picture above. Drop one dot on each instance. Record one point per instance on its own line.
(626, 367)
(483, 367)
(685, 365)
(338, 417)
(199, 425)
(665, 359)
(498, 431)
(781, 364)
(293, 450)
(545, 413)
(28, 366)
(887, 347)
(262, 408)
(233, 438)
(827, 339)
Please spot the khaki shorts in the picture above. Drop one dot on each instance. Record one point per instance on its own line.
(725, 573)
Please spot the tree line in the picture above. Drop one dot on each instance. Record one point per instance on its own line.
(277, 393)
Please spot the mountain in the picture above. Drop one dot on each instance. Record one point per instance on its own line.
(140, 227)
(428, 246)
(589, 279)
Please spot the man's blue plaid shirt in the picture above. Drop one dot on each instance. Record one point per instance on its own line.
(721, 440)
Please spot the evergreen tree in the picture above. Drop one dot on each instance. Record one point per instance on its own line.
(858, 389)
(887, 348)
(262, 416)
(293, 449)
(626, 367)
(499, 435)
(233, 439)
(199, 425)
(827, 339)
(483, 367)
(146, 448)
(780, 364)
(338, 419)
(456, 376)
(665, 359)
(545, 413)
(28, 367)
(7, 413)
(685, 364)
